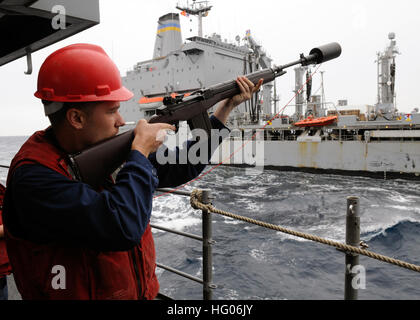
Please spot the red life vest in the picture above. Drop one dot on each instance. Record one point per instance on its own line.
(89, 274)
(5, 267)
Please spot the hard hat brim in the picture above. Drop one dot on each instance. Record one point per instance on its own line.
(121, 94)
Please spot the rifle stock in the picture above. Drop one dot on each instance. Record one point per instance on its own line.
(96, 163)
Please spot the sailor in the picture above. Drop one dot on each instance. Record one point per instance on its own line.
(5, 268)
(66, 240)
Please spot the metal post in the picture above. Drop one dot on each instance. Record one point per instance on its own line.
(200, 24)
(353, 239)
(28, 61)
(207, 249)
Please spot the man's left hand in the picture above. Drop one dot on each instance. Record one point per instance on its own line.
(247, 90)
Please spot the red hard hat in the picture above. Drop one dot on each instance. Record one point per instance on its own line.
(78, 73)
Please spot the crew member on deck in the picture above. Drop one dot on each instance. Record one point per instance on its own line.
(66, 240)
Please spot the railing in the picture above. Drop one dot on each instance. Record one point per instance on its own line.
(206, 240)
(353, 248)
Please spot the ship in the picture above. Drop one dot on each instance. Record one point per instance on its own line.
(318, 137)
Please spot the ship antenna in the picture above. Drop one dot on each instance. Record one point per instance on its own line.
(197, 8)
(323, 92)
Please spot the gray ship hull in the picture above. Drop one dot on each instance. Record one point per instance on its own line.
(380, 159)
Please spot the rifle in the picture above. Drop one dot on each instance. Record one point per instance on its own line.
(97, 162)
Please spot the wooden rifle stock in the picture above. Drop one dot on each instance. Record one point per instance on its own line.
(96, 163)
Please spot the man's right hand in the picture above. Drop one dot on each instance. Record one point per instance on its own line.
(148, 137)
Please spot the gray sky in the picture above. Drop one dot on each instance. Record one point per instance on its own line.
(284, 28)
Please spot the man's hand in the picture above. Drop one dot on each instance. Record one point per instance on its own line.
(148, 137)
(247, 90)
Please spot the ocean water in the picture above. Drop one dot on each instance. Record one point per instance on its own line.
(250, 262)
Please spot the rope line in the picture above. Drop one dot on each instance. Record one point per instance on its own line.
(196, 203)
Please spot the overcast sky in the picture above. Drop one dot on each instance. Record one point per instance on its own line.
(285, 28)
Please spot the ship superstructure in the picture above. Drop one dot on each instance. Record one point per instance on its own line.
(197, 63)
(386, 105)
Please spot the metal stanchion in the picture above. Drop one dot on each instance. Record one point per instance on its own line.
(207, 249)
(353, 239)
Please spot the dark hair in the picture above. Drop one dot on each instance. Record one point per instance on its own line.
(59, 116)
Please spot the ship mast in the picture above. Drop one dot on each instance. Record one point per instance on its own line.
(323, 111)
(386, 78)
(197, 8)
(299, 72)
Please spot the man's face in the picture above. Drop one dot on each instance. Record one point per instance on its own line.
(102, 122)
